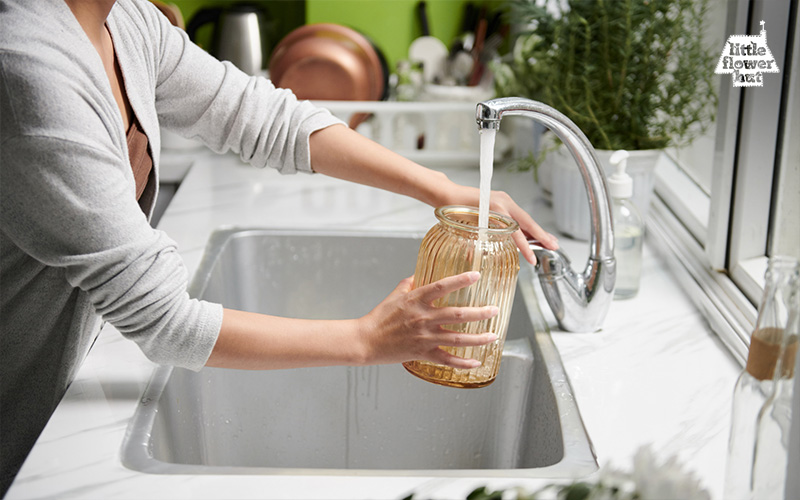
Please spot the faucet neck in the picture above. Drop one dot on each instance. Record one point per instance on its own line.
(488, 114)
(582, 300)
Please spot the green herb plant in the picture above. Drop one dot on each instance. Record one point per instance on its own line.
(631, 74)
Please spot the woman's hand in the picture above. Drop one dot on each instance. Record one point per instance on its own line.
(406, 326)
(528, 228)
(502, 203)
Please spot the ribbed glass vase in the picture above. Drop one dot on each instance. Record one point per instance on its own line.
(456, 245)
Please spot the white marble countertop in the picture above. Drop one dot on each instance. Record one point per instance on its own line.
(655, 375)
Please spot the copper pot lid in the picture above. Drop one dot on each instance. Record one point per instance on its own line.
(329, 62)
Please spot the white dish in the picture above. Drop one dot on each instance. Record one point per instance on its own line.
(432, 53)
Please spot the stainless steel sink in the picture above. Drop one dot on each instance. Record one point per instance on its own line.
(377, 420)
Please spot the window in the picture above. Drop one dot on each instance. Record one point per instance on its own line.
(729, 201)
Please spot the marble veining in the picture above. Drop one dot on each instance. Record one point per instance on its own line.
(654, 375)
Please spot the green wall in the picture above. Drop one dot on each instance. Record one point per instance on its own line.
(391, 24)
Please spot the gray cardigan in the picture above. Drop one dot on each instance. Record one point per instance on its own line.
(74, 244)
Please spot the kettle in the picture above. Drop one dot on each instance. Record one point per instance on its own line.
(239, 34)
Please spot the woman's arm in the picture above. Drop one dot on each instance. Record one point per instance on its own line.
(403, 327)
(343, 153)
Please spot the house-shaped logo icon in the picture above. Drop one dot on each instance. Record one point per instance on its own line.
(746, 58)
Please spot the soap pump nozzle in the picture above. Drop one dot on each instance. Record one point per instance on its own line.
(620, 184)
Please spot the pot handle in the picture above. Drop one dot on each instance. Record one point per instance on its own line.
(201, 17)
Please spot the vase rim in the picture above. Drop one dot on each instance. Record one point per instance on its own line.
(445, 215)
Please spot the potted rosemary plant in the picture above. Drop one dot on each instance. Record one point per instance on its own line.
(632, 75)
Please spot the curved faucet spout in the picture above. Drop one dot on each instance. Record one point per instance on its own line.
(579, 301)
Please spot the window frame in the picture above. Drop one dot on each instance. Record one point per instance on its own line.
(717, 244)
(759, 141)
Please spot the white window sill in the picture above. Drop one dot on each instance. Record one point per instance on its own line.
(677, 222)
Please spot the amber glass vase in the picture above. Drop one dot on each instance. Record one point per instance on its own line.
(456, 245)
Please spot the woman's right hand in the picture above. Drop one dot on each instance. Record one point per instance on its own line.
(406, 326)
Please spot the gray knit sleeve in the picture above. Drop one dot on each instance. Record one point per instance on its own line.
(69, 206)
(198, 96)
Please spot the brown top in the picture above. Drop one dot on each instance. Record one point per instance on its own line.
(765, 351)
(139, 152)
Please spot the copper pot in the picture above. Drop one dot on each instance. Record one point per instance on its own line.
(330, 62)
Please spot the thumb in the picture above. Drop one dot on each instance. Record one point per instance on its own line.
(405, 285)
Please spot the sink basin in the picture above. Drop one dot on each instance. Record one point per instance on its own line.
(377, 420)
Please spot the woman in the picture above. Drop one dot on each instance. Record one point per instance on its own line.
(86, 84)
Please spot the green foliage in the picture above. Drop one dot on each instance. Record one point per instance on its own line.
(483, 493)
(632, 74)
(574, 491)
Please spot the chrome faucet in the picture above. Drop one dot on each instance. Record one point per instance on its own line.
(579, 301)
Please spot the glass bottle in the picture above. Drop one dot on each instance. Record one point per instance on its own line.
(628, 229)
(456, 245)
(775, 418)
(766, 359)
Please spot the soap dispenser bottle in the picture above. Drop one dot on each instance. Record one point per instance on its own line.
(628, 228)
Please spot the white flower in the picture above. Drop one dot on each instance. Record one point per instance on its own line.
(649, 480)
(666, 480)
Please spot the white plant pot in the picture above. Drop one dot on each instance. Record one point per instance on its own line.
(570, 202)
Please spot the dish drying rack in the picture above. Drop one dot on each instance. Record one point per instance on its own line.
(434, 134)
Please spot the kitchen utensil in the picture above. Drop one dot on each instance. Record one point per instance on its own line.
(478, 66)
(459, 66)
(459, 60)
(329, 62)
(428, 50)
(239, 34)
(456, 245)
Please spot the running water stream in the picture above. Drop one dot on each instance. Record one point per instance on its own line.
(487, 166)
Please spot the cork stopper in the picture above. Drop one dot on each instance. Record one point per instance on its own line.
(765, 349)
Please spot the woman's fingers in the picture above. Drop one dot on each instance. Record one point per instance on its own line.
(442, 287)
(529, 228)
(503, 203)
(533, 229)
(406, 325)
(443, 357)
(524, 247)
(456, 339)
(439, 355)
(452, 315)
